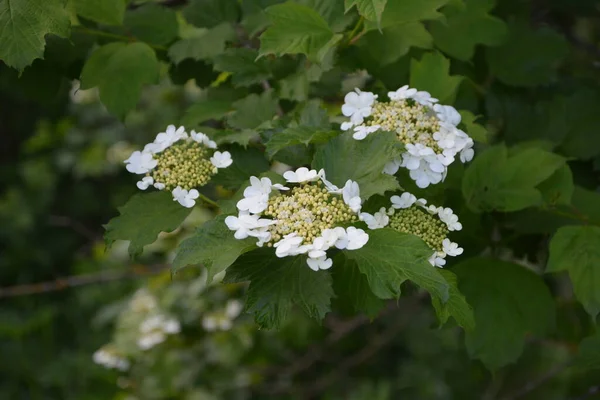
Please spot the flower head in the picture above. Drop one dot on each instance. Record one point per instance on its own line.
(428, 131)
(303, 219)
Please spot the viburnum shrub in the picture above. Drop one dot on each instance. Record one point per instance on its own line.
(351, 152)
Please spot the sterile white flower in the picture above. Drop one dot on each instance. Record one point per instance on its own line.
(424, 176)
(150, 340)
(447, 114)
(351, 195)
(467, 152)
(361, 132)
(301, 175)
(184, 197)
(392, 167)
(204, 139)
(357, 105)
(288, 245)
(246, 225)
(166, 139)
(437, 260)
(450, 219)
(356, 238)
(108, 358)
(403, 93)
(159, 185)
(378, 220)
(319, 263)
(233, 308)
(424, 98)
(221, 159)
(146, 182)
(451, 248)
(140, 162)
(346, 125)
(256, 196)
(405, 200)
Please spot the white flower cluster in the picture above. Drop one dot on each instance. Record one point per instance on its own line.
(411, 215)
(154, 330)
(178, 162)
(428, 130)
(108, 357)
(301, 220)
(222, 320)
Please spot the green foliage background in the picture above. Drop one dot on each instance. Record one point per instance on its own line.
(83, 83)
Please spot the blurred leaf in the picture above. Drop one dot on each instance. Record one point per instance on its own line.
(588, 356)
(575, 249)
(253, 111)
(120, 70)
(296, 87)
(581, 133)
(206, 110)
(297, 135)
(278, 283)
(391, 257)
(208, 45)
(242, 63)
(210, 13)
(456, 306)
(528, 57)
(109, 12)
(362, 161)
(213, 246)
(477, 132)
(297, 29)
(246, 163)
(370, 9)
(332, 11)
(153, 24)
(497, 181)
(467, 25)
(391, 43)
(432, 74)
(558, 189)
(143, 217)
(243, 138)
(24, 25)
(398, 12)
(352, 288)
(510, 302)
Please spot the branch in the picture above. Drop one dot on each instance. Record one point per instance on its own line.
(531, 386)
(136, 271)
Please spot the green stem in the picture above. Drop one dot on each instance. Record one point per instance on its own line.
(352, 37)
(115, 36)
(211, 203)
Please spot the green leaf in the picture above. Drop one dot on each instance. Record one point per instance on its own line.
(244, 66)
(477, 132)
(24, 25)
(559, 188)
(581, 138)
(588, 355)
(246, 163)
(510, 302)
(352, 288)
(467, 25)
(297, 29)
(391, 257)
(203, 111)
(398, 12)
(370, 9)
(253, 110)
(243, 138)
(276, 284)
(143, 217)
(456, 306)
(152, 23)
(362, 161)
(120, 71)
(432, 73)
(391, 43)
(207, 45)
(213, 246)
(528, 57)
(210, 13)
(109, 12)
(297, 135)
(332, 11)
(575, 249)
(497, 181)
(296, 87)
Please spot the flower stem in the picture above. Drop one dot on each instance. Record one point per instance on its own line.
(213, 204)
(352, 38)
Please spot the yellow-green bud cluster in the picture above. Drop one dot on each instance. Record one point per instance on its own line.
(412, 122)
(419, 222)
(307, 209)
(185, 164)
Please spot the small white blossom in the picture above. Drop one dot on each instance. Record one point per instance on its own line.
(467, 153)
(203, 139)
(140, 162)
(247, 225)
(451, 248)
(221, 159)
(108, 358)
(403, 93)
(233, 309)
(346, 125)
(319, 263)
(424, 176)
(437, 259)
(446, 136)
(287, 246)
(392, 167)
(424, 98)
(356, 238)
(361, 132)
(450, 219)
(145, 183)
(447, 114)
(357, 105)
(405, 200)
(159, 185)
(150, 340)
(301, 175)
(184, 197)
(166, 139)
(351, 195)
(376, 221)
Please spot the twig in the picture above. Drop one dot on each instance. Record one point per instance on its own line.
(76, 226)
(80, 280)
(589, 393)
(531, 386)
(209, 202)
